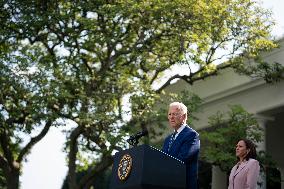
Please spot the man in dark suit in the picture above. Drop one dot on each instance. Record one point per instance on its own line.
(184, 143)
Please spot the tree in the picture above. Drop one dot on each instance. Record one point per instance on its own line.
(25, 116)
(78, 60)
(24, 108)
(225, 131)
(101, 182)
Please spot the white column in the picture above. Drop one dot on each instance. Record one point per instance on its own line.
(261, 146)
(219, 178)
(282, 177)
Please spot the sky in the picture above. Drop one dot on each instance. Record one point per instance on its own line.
(46, 164)
(278, 14)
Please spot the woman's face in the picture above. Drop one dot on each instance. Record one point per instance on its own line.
(241, 149)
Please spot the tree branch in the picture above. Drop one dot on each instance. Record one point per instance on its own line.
(4, 141)
(71, 178)
(4, 165)
(88, 179)
(34, 140)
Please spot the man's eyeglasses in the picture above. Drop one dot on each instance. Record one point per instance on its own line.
(174, 114)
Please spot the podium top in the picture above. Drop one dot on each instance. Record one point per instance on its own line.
(164, 153)
(146, 167)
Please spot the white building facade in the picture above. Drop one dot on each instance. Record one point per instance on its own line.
(265, 101)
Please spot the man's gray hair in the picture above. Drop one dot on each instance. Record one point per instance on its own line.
(181, 107)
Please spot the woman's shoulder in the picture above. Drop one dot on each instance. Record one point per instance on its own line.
(253, 161)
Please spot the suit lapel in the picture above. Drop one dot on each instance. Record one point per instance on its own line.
(241, 167)
(178, 138)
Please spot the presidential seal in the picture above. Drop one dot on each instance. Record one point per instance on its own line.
(124, 167)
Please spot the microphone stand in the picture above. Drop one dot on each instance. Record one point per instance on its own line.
(133, 141)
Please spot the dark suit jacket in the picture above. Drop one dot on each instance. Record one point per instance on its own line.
(186, 148)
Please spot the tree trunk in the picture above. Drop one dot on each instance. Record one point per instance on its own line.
(71, 178)
(12, 178)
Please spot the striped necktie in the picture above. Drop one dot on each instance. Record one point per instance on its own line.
(172, 140)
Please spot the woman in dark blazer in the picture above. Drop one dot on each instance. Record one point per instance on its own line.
(245, 173)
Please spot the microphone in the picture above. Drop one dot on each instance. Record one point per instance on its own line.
(139, 135)
(133, 140)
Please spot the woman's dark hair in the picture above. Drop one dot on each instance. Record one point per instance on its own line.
(252, 149)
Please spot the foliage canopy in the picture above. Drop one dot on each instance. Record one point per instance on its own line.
(78, 61)
(226, 130)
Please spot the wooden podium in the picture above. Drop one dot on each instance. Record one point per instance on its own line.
(145, 167)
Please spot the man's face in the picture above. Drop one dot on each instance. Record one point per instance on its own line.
(176, 118)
